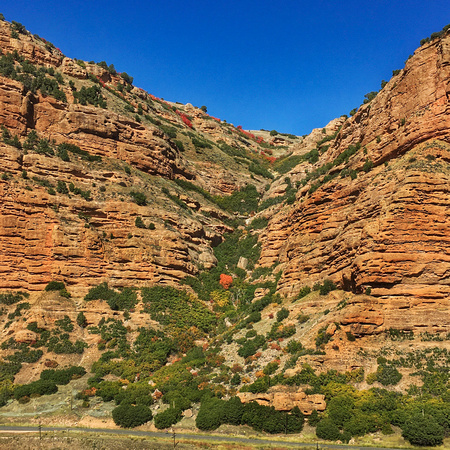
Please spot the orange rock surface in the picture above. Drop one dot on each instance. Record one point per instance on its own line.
(387, 231)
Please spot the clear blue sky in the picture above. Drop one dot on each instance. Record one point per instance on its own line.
(285, 65)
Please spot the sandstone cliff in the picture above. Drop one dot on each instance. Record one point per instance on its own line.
(136, 203)
(384, 231)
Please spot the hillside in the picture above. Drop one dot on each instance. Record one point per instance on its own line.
(155, 256)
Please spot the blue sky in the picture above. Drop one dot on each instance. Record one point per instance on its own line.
(287, 65)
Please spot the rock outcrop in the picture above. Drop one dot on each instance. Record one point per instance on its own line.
(385, 231)
(283, 400)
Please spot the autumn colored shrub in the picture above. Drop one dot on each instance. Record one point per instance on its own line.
(226, 280)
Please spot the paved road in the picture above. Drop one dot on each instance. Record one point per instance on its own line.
(185, 436)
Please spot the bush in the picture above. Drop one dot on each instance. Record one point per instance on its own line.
(360, 424)
(55, 286)
(116, 300)
(421, 429)
(9, 298)
(139, 198)
(139, 223)
(368, 165)
(235, 379)
(167, 418)
(233, 411)
(340, 409)
(81, 319)
(282, 314)
(130, 416)
(322, 337)
(304, 291)
(211, 414)
(388, 375)
(327, 429)
(326, 287)
(127, 78)
(63, 376)
(41, 387)
(313, 418)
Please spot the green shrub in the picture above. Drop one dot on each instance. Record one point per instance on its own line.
(235, 379)
(302, 318)
(65, 324)
(62, 187)
(91, 95)
(9, 298)
(139, 198)
(127, 78)
(282, 314)
(242, 201)
(340, 409)
(211, 414)
(63, 376)
(55, 286)
(326, 287)
(130, 416)
(170, 306)
(139, 223)
(64, 147)
(423, 429)
(279, 331)
(350, 336)
(41, 387)
(81, 320)
(257, 169)
(125, 299)
(388, 375)
(304, 291)
(271, 368)
(322, 337)
(167, 418)
(313, 418)
(368, 165)
(327, 429)
(294, 346)
(250, 346)
(285, 165)
(360, 424)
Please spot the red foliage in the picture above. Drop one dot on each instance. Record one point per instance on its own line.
(226, 280)
(250, 135)
(89, 392)
(186, 120)
(271, 159)
(51, 363)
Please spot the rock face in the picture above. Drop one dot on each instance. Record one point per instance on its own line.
(377, 226)
(386, 231)
(283, 400)
(45, 236)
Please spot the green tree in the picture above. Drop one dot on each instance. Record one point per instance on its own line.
(422, 429)
(126, 78)
(139, 198)
(233, 410)
(211, 414)
(327, 429)
(130, 416)
(167, 418)
(81, 320)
